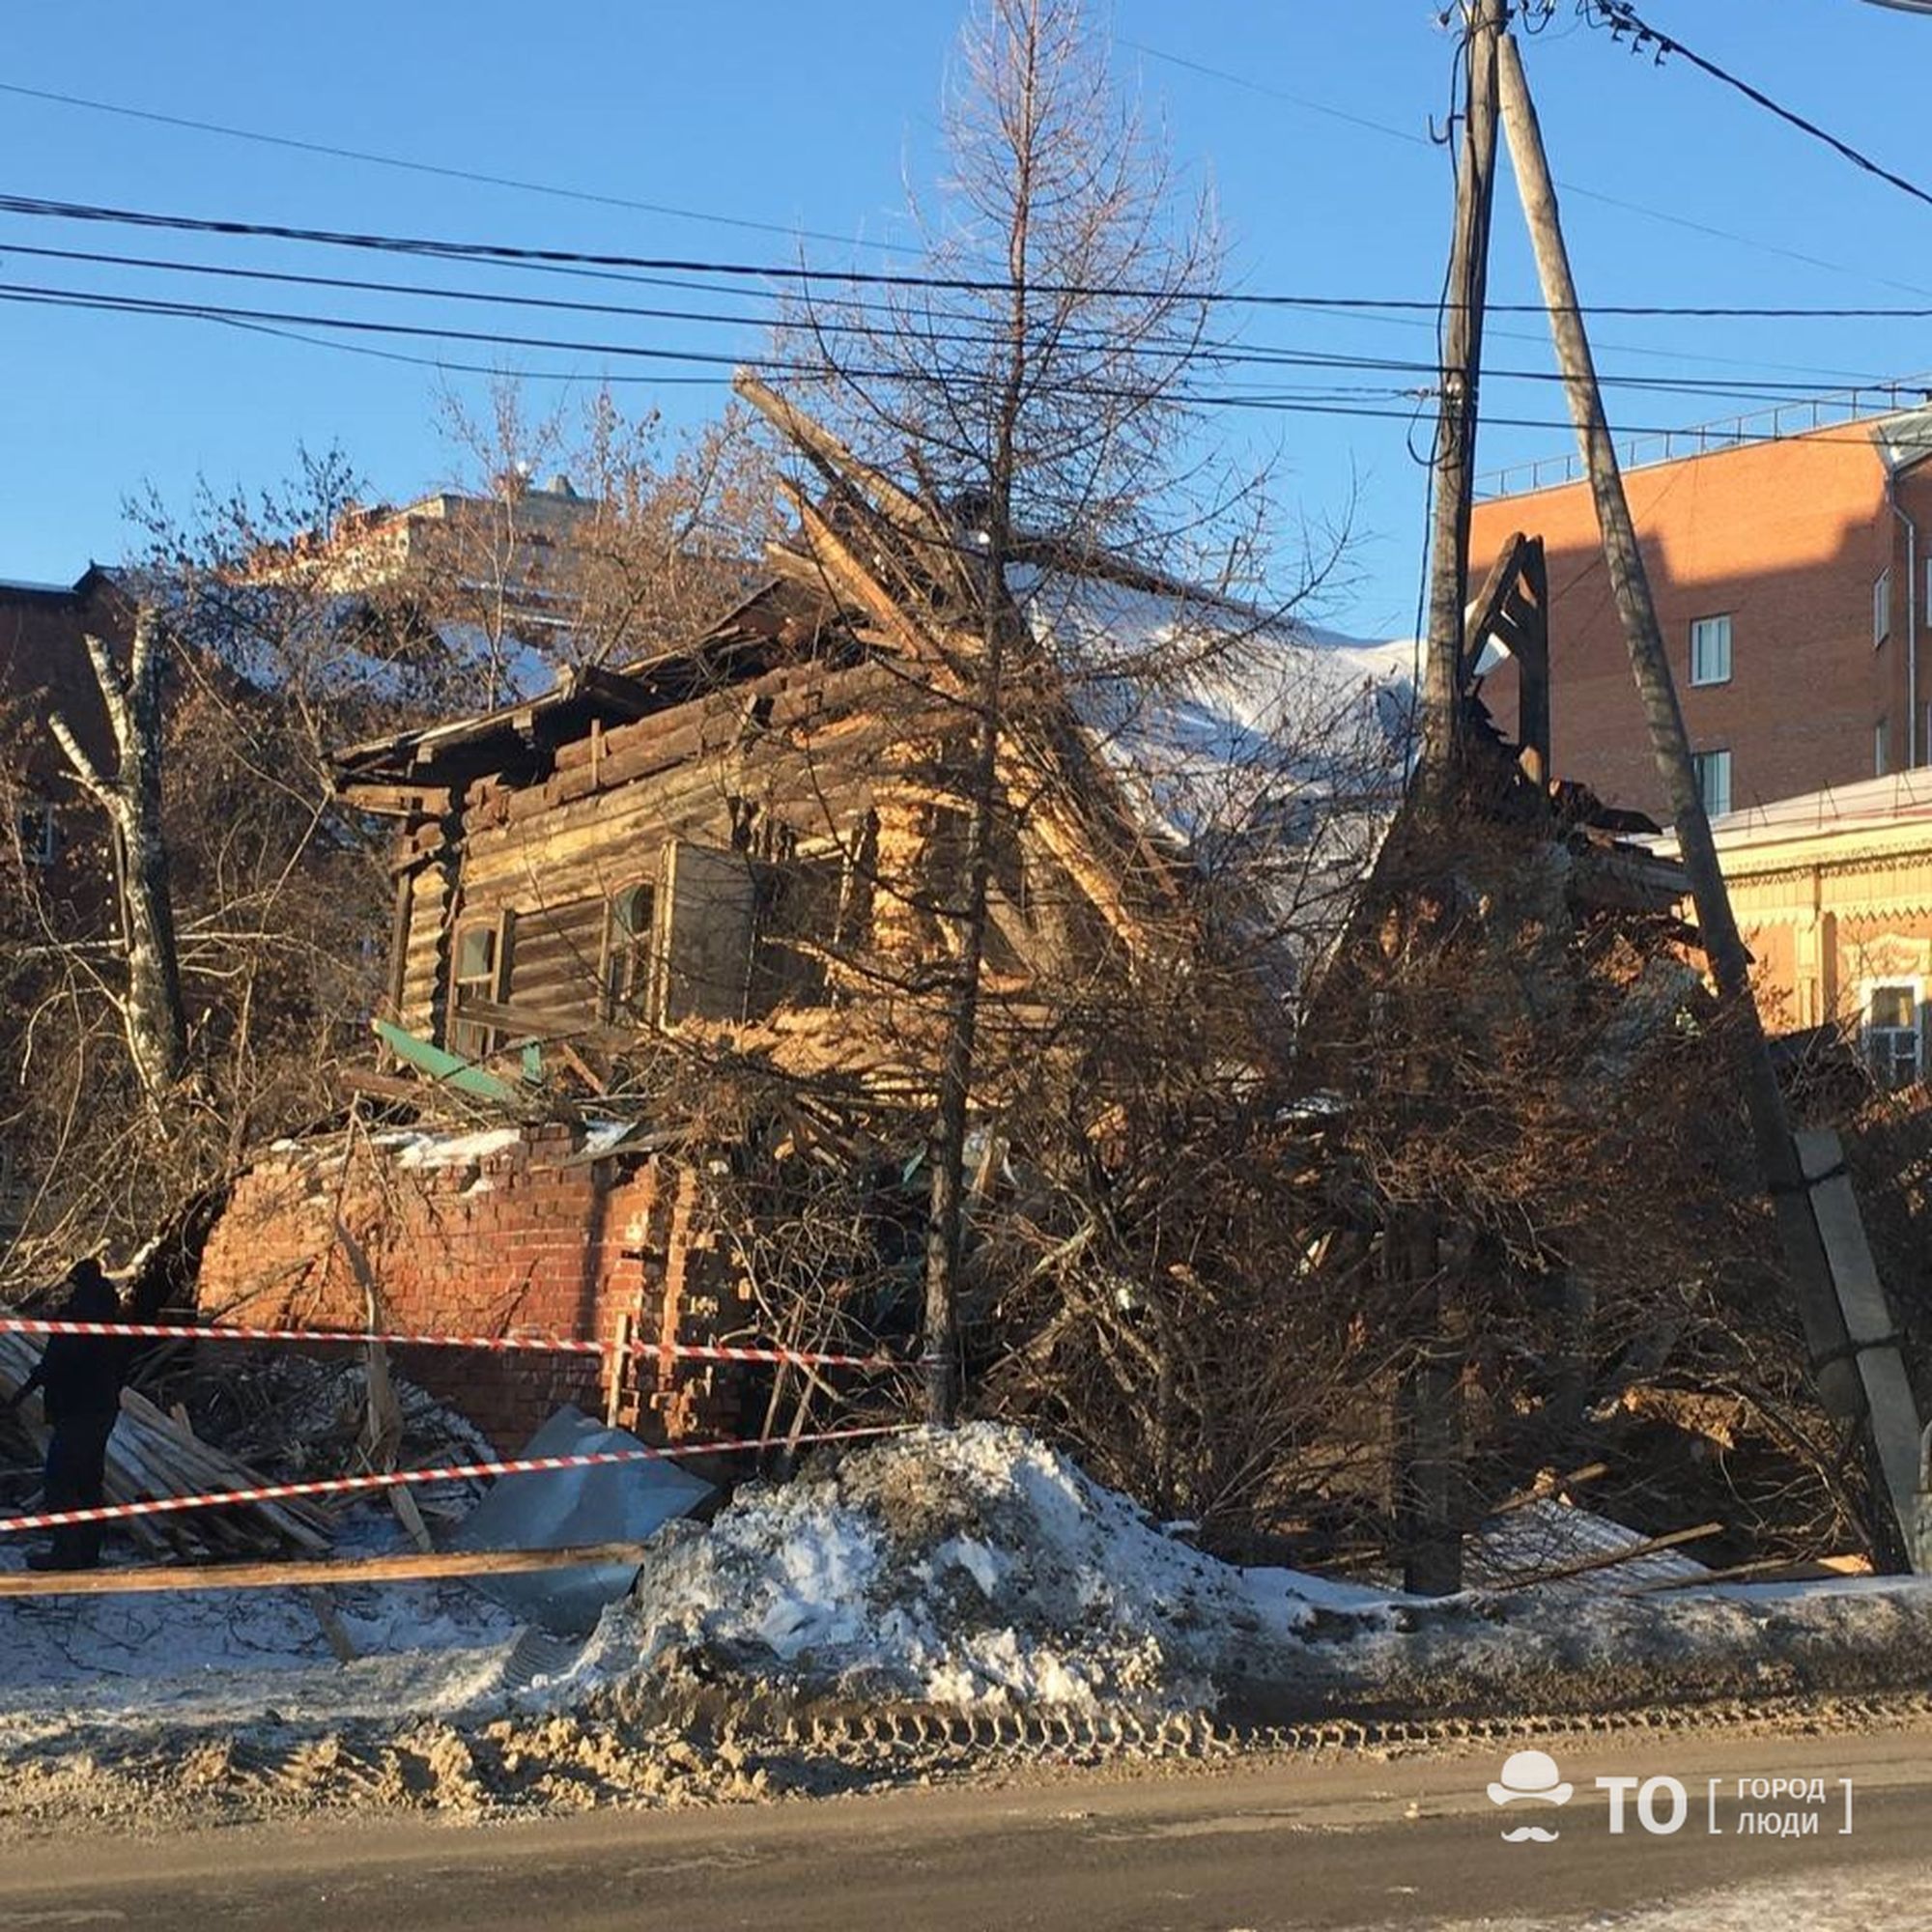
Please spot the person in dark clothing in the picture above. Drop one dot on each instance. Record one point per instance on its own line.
(79, 1377)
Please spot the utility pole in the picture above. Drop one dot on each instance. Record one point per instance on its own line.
(1429, 1477)
(1454, 471)
(1854, 1355)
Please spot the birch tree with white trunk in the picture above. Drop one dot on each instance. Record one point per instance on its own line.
(150, 999)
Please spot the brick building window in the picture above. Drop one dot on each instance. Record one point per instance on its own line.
(1881, 609)
(1710, 650)
(1713, 781)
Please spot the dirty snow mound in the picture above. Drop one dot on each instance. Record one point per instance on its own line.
(976, 1567)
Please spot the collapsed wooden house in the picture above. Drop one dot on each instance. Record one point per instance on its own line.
(748, 853)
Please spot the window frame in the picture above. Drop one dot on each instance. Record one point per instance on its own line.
(1880, 606)
(626, 984)
(1889, 1042)
(1699, 625)
(1703, 763)
(471, 1039)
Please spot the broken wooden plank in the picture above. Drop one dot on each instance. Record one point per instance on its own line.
(530, 1022)
(626, 696)
(410, 1567)
(384, 1086)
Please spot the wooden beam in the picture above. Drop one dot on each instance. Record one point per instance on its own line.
(1532, 651)
(394, 801)
(1490, 604)
(629, 697)
(412, 1565)
(383, 1086)
(869, 487)
(533, 1023)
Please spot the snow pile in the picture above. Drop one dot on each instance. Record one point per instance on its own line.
(977, 1567)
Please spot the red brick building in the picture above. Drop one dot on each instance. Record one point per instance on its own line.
(1793, 576)
(506, 1232)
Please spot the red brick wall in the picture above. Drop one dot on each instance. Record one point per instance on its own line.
(490, 1238)
(1787, 539)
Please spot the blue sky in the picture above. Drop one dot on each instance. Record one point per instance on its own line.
(810, 117)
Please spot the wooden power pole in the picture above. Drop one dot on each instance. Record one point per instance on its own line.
(1454, 469)
(1847, 1330)
(1429, 1477)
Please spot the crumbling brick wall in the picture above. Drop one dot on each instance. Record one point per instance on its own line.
(508, 1233)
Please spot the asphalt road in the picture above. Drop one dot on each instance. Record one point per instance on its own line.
(1336, 1844)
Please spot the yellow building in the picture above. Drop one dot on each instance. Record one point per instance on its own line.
(1833, 893)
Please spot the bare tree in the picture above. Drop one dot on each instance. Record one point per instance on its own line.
(150, 999)
(591, 536)
(1041, 385)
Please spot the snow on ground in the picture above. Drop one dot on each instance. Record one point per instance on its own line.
(977, 1568)
(1839, 1899)
(241, 1651)
(965, 1568)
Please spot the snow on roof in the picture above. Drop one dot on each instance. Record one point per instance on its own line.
(1244, 737)
(1217, 711)
(1872, 805)
(27, 586)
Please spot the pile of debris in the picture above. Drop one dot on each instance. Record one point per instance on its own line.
(154, 1453)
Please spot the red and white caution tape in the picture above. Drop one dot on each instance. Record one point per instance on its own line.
(697, 1352)
(455, 1472)
(725, 1351)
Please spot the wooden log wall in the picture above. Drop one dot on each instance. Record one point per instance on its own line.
(801, 759)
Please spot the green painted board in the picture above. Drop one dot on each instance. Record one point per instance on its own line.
(446, 1069)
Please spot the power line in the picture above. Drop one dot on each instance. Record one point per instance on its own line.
(37, 207)
(1221, 353)
(370, 159)
(1283, 402)
(1413, 140)
(1622, 19)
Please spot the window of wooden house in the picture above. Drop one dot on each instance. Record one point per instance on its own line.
(474, 976)
(705, 918)
(801, 907)
(627, 953)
